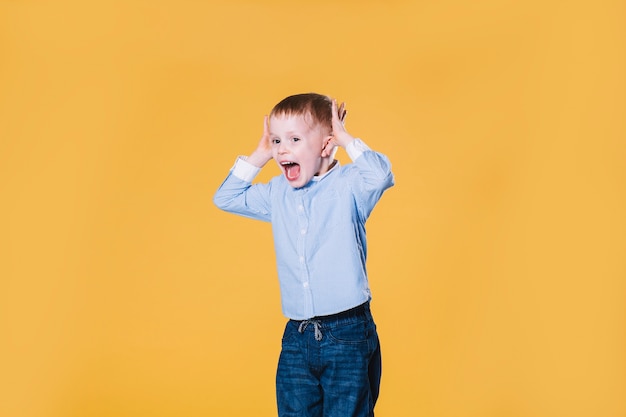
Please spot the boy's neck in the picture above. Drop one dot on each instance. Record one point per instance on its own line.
(330, 166)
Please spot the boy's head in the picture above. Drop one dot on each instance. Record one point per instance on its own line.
(300, 133)
(315, 108)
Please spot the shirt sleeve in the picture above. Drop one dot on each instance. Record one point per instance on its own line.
(374, 175)
(238, 195)
(244, 170)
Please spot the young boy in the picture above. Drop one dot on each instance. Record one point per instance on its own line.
(330, 361)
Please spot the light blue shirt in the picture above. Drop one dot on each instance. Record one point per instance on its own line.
(319, 229)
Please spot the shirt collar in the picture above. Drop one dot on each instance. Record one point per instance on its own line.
(320, 177)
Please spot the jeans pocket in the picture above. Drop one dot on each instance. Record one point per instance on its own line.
(351, 333)
(290, 333)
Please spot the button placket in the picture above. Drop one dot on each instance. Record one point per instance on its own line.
(303, 225)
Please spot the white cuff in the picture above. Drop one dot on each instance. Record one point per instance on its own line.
(355, 148)
(244, 170)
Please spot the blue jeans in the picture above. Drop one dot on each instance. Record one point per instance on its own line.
(329, 366)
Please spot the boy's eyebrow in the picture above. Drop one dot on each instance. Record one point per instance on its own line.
(290, 132)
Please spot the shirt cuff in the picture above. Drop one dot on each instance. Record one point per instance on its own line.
(355, 148)
(244, 170)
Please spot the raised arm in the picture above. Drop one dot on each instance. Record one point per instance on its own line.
(237, 194)
(375, 167)
(372, 168)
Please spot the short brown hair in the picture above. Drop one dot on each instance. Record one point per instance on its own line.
(317, 106)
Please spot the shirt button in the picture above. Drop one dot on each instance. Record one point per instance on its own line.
(305, 284)
(302, 231)
(300, 207)
(302, 259)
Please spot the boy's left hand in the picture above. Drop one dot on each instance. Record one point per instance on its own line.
(340, 137)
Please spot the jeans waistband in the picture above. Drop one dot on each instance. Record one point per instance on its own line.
(357, 311)
(319, 322)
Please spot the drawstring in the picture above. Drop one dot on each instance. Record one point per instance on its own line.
(316, 324)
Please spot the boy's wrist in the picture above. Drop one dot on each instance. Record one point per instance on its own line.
(257, 159)
(344, 140)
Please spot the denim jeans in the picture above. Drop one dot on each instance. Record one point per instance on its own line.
(329, 366)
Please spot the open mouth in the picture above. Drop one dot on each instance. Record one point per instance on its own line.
(292, 170)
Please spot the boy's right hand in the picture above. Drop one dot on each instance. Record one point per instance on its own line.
(263, 152)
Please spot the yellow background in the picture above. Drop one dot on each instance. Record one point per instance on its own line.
(496, 262)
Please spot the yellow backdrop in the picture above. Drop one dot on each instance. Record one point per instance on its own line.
(496, 262)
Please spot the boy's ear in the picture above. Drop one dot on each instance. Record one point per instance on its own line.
(327, 149)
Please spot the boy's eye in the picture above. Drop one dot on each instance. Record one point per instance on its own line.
(295, 139)
(275, 141)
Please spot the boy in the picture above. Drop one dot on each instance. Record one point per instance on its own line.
(330, 361)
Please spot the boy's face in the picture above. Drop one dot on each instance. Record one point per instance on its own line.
(297, 148)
